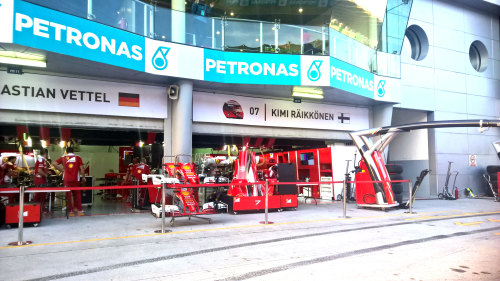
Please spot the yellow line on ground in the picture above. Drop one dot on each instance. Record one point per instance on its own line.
(451, 216)
(492, 220)
(497, 233)
(232, 227)
(469, 223)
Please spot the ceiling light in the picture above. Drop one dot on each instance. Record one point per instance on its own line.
(17, 58)
(306, 95)
(301, 10)
(307, 92)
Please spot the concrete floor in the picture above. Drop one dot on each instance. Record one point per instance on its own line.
(444, 240)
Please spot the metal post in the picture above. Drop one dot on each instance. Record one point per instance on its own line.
(276, 34)
(213, 33)
(344, 199)
(260, 38)
(222, 30)
(266, 205)
(267, 200)
(19, 241)
(163, 207)
(163, 215)
(411, 197)
(323, 40)
(302, 40)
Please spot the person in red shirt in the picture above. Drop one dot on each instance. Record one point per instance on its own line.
(42, 167)
(72, 165)
(139, 169)
(130, 168)
(8, 171)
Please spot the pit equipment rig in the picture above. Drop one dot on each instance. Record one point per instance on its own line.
(184, 199)
(378, 193)
(246, 193)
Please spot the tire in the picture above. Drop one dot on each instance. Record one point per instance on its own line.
(397, 188)
(394, 168)
(398, 198)
(493, 169)
(493, 176)
(396, 177)
(441, 196)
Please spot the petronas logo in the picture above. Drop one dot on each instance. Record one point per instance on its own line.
(380, 88)
(160, 58)
(314, 72)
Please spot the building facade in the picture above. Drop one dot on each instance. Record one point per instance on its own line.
(110, 67)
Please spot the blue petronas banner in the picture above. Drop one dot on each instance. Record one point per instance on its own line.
(38, 27)
(46, 29)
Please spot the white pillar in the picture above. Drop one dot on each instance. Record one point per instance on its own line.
(178, 21)
(382, 117)
(167, 135)
(182, 121)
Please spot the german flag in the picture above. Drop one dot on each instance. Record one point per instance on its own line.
(128, 99)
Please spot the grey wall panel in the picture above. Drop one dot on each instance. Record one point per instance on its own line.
(452, 143)
(412, 169)
(239, 130)
(79, 120)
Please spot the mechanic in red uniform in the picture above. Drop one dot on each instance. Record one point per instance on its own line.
(8, 173)
(42, 167)
(72, 165)
(130, 169)
(127, 180)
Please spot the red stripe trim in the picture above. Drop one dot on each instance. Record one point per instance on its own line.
(129, 99)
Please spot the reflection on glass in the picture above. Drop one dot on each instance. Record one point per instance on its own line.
(76, 7)
(289, 41)
(394, 26)
(162, 24)
(312, 39)
(242, 36)
(359, 19)
(268, 37)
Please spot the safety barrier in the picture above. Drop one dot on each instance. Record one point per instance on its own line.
(23, 189)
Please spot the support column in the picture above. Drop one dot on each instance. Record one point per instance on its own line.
(178, 25)
(167, 135)
(182, 121)
(382, 116)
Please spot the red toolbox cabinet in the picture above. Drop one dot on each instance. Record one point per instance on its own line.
(31, 213)
(255, 203)
(289, 201)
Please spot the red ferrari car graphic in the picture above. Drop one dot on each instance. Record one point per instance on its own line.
(232, 109)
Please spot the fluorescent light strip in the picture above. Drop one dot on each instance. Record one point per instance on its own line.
(26, 62)
(307, 90)
(307, 95)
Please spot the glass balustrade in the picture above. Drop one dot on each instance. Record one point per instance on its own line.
(239, 35)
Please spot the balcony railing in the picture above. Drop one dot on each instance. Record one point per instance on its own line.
(228, 34)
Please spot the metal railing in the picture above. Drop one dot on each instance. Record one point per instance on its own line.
(164, 186)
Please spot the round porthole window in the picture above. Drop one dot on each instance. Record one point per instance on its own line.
(478, 55)
(418, 41)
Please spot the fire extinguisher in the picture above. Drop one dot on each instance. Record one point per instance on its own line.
(456, 193)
